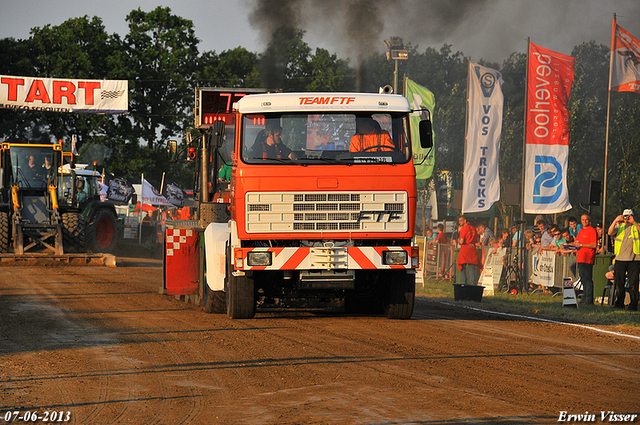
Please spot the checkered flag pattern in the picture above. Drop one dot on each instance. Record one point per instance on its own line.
(177, 238)
(111, 94)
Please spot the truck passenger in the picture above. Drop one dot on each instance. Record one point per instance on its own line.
(269, 145)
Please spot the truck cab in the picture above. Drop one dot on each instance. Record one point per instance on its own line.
(323, 204)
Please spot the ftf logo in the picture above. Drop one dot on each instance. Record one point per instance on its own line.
(547, 186)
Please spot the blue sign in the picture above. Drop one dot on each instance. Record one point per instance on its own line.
(547, 179)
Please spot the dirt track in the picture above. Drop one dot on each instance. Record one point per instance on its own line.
(104, 345)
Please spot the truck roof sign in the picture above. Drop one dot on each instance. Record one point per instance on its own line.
(281, 102)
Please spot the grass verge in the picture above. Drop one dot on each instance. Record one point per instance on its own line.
(539, 305)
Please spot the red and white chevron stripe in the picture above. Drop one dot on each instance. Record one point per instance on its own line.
(307, 258)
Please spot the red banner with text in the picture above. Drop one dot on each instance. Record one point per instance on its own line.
(550, 75)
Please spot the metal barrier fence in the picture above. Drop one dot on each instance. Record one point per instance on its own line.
(439, 262)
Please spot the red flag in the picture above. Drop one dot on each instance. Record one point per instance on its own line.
(625, 60)
(549, 79)
(550, 76)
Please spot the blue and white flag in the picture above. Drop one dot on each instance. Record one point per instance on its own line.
(481, 185)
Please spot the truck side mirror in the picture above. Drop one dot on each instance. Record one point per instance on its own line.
(172, 150)
(217, 131)
(426, 134)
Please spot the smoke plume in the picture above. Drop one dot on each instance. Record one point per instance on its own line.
(355, 27)
(482, 29)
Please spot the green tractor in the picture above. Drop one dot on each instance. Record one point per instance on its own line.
(35, 214)
(99, 214)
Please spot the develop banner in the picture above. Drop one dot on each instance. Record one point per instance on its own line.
(549, 79)
(64, 95)
(481, 185)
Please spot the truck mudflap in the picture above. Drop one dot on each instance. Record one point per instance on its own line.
(216, 237)
(321, 258)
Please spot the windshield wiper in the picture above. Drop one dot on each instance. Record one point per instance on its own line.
(328, 160)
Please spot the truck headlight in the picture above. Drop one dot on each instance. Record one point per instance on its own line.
(394, 258)
(259, 258)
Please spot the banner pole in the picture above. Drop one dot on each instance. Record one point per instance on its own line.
(606, 135)
(141, 208)
(162, 183)
(466, 130)
(524, 132)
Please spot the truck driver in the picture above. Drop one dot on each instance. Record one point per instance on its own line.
(370, 137)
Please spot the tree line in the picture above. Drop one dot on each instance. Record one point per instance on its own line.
(159, 56)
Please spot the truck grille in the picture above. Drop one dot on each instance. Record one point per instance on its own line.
(291, 212)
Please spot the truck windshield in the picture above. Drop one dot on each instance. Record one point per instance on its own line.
(31, 166)
(325, 138)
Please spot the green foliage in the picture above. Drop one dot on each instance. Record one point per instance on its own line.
(161, 52)
(231, 68)
(538, 305)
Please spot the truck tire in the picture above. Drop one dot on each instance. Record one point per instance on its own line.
(240, 294)
(400, 296)
(73, 228)
(213, 301)
(5, 232)
(101, 232)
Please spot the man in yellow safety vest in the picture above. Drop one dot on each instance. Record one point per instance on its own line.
(627, 251)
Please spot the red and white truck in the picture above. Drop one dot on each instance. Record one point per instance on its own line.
(313, 220)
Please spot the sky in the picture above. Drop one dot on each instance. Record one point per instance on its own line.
(480, 29)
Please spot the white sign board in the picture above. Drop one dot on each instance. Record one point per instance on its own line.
(543, 268)
(64, 95)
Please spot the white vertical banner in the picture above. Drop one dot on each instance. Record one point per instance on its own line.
(481, 184)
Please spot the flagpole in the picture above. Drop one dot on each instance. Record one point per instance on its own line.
(524, 132)
(606, 135)
(466, 130)
(141, 208)
(162, 183)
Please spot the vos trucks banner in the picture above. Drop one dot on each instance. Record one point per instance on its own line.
(481, 185)
(625, 61)
(549, 80)
(64, 95)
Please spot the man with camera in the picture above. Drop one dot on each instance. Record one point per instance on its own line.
(627, 251)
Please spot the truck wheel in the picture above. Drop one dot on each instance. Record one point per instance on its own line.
(73, 228)
(240, 294)
(101, 232)
(213, 301)
(400, 297)
(5, 234)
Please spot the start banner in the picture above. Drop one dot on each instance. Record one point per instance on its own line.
(549, 80)
(64, 95)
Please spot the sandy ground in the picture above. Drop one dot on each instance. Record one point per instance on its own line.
(101, 345)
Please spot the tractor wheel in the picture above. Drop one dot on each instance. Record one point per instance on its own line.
(5, 232)
(73, 228)
(101, 232)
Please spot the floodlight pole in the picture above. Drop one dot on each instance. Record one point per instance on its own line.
(395, 77)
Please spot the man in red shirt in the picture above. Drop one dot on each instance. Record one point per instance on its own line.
(468, 259)
(587, 242)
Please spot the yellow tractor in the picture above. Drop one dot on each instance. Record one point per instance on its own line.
(39, 211)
